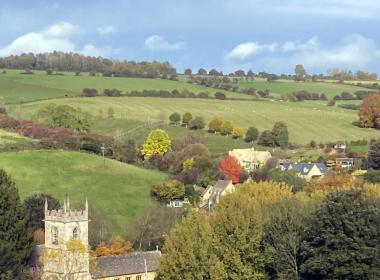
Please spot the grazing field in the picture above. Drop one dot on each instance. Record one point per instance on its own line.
(13, 139)
(306, 120)
(38, 86)
(118, 190)
(279, 87)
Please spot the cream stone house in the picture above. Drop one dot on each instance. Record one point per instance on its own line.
(212, 194)
(61, 260)
(250, 159)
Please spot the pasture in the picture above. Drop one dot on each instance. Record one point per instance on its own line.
(15, 86)
(119, 191)
(280, 87)
(306, 121)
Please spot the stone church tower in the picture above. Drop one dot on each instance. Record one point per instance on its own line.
(66, 244)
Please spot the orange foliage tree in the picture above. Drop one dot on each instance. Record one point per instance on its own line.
(116, 246)
(230, 167)
(369, 111)
(330, 183)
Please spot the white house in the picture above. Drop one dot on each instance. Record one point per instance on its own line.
(250, 159)
(212, 194)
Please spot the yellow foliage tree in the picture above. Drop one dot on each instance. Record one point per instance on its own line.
(157, 143)
(116, 246)
(237, 132)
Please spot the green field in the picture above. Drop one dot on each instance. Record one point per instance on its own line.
(306, 121)
(118, 190)
(279, 87)
(14, 86)
(13, 139)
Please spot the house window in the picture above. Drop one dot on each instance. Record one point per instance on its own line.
(75, 233)
(138, 277)
(54, 235)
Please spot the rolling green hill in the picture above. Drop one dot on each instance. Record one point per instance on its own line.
(306, 120)
(38, 86)
(118, 190)
(279, 87)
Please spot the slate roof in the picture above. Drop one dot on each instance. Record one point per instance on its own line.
(304, 168)
(126, 264)
(216, 192)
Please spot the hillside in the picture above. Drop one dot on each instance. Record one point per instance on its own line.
(118, 190)
(39, 85)
(306, 120)
(279, 87)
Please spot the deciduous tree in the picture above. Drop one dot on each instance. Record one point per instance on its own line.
(157, 143)
(251, 135)
(374, 156)
(280, 134)
(230, 167)
(369, 111)
(175, 118)
(215, 125)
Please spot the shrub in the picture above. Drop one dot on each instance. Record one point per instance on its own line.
(237, 132)
(251, 135)
(89, 92)
(266, 138)
(220, 95)
(226, 128)
(168, 190)
(197, 123)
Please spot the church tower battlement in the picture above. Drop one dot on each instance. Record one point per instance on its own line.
(65, 228)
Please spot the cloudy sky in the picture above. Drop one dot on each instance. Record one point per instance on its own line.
(265, 35)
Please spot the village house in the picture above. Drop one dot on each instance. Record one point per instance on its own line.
(340, 145)
(178, 203)
(250, 159)
(212, 194)
(307, 171)
(63, 226)
(345, 163)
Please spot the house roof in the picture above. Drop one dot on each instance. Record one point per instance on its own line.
(250, 155)
(304, 168)
(126, 264)
(216, 192)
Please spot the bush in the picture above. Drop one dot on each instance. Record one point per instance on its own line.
(237, 132)
(266, 138)
(168, 190)
(112, 92)
(175, 118)
(220, 95)
(226, 128)
(89, 92)
(251, 135)
(197, 123)
(372, 176)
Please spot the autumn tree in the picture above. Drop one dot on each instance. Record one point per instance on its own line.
(231, 167)
(197, 123)
(175, 118)
(237, 132)
(116, 246)
(15, 237)
(157, 143)
(266, 138)
(251, 135)
(188, 252)
(369, 111)
(215, 125)
(168, 190)
(227, 128)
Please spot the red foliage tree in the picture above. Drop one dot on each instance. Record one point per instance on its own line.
(230, 167)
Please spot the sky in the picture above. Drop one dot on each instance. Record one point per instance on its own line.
(262, 35)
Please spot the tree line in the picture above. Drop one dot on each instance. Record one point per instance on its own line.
(61, 61)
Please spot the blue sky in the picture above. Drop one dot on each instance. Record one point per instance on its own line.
(265, 35)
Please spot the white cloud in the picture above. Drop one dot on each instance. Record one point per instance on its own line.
(354, 51)
(245, 50)
(158, 43)
(104, 30)
(57, 37)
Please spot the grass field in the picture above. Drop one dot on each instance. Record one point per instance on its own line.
(116, 189)
(14, 139)
(38, 86)
(280, 87)
(305, 120)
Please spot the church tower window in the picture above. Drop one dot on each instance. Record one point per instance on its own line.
(54, 235)
(76, 233)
